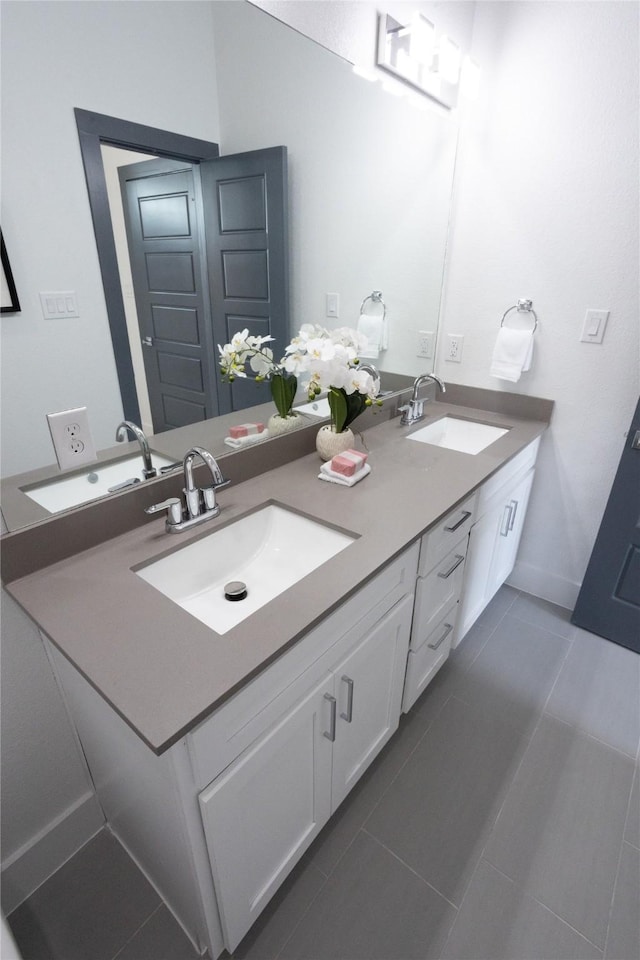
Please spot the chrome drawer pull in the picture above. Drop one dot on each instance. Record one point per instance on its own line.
(434, 646)
(332, 726)
(454, 566)
(512, 518)
(465, 516)
(348, 716)
(506, 520)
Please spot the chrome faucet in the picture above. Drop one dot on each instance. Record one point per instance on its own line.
(198, 504)
(414, 410)
(121, 434)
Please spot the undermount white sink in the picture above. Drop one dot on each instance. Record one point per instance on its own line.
(94, 481)
(268, 550)
(317, 408)
(466, 436)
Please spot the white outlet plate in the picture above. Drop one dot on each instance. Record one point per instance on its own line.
(72, 438)
(424, 344)
(455, 342)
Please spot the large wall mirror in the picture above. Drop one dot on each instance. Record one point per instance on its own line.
(369, 187)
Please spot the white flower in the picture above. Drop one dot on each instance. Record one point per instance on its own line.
(262, 362)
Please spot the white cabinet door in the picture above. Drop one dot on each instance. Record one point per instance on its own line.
(262, 813)
(493, 545)
(509, 533)
(368, 686)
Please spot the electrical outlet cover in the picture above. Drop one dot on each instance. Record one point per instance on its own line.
(71, 436)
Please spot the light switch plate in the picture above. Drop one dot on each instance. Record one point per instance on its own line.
(595, 322)
(59, 304)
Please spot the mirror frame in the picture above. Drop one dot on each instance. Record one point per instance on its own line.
(93, 130)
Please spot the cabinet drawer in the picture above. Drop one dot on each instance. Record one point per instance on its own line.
(423, 664)
(237, 723)
(436, 593)
(438, 541)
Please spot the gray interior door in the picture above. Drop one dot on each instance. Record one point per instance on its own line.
(163, 219)
(609, 599)
(245, 215)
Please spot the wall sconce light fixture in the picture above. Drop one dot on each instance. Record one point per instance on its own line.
(411, 53)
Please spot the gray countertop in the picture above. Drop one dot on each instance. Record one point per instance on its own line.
(163, 670)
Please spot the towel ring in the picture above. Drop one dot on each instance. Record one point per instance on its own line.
(522, 306)
(375, 297)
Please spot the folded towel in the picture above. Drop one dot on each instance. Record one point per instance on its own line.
(326, 473)
(375, 331)
(512, 354)
(246, 441)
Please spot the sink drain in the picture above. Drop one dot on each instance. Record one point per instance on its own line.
(235, 590)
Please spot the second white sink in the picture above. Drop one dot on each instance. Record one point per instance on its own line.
(268, 550)
(467, 436)
(93, 482)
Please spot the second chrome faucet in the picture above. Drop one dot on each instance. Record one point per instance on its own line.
(198, 503)
(414, 410)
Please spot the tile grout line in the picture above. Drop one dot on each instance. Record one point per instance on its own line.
(516, 771)
(136, 932)
(615, 882)
(409, 868)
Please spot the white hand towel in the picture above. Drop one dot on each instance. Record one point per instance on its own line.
(326, 473)
(240, 442)
(375, 330)
(512, 354)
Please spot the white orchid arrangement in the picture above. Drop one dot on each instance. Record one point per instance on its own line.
(329, 359)
(247, 349)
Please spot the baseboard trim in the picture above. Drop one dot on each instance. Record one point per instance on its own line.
(35, 861)
(547, 586)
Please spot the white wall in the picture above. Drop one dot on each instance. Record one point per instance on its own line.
(546, 207)
(109, 58)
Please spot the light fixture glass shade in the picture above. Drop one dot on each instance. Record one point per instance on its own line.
(422, 40)
(449, 60)
(470, 79)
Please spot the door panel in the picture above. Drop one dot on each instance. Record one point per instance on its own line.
(369, 694)
(609, 599)
(262, 813)
(245, 202)
(165, 239)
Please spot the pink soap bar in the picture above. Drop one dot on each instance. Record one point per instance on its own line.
(348, 463)
(245, 430)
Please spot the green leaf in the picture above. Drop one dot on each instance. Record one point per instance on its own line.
(283, 391)
(338, 407)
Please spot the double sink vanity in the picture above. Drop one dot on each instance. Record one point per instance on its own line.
(221, 736)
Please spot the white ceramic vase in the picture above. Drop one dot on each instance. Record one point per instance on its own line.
(329, 443)
(278, 425)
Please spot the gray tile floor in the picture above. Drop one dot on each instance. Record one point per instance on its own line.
(502, 821)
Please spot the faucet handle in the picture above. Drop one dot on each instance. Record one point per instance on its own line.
(173, 506)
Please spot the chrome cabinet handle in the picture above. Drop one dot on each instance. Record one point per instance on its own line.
(465, 516)
(147, 342)
(454, 566)
(434, 646)
(332, 723)
(512, 518)
(348, 716)
(506, 520)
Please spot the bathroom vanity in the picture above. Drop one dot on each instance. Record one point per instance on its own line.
(219, 757)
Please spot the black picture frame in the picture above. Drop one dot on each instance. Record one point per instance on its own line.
(10, 302)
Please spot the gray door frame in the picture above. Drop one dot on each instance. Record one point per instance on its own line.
(93, 130)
